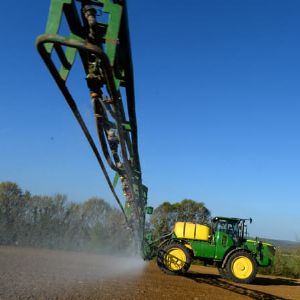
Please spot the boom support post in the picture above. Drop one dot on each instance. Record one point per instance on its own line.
(98, 33)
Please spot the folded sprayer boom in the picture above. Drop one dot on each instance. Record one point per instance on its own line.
(98, 33)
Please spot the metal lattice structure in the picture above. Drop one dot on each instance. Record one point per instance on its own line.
(98, 33)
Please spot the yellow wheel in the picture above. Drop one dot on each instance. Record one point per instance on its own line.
(241, 267)
(174, 259)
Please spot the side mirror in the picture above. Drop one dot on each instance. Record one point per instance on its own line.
(250, 220)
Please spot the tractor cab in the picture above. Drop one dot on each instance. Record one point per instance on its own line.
(233, 227)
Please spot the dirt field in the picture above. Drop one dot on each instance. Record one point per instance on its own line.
(44, 274)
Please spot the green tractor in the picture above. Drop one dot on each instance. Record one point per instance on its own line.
(223, 244)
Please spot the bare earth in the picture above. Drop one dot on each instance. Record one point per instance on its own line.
(44, 274)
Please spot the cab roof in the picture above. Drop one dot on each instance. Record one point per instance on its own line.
(215, 219)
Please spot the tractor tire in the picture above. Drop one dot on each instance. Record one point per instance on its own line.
(241, 267)
(222, 272)
(174, 259)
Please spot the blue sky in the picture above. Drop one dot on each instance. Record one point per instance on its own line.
(217, 96)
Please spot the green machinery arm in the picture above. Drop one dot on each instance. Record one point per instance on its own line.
(98, 33)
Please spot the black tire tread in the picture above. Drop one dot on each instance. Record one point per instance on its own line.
(160, 259)
(228, 270)
(223, 273)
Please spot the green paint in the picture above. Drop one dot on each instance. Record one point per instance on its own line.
(112, 33)
(202, 249)
(116, 179)
(221, 242)
(54, 18)
(149, 210)
(70, 55)
(126, 126)
(263, 251)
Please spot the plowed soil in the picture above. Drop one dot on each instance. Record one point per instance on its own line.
(44, 274)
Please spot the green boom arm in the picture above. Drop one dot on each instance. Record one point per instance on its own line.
(98, 32)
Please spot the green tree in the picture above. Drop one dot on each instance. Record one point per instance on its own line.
(12, 203)
(165, 215)
(54, 222)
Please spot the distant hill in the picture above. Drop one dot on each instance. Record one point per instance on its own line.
(281, 243)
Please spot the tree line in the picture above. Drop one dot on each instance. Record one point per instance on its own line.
(55, 222)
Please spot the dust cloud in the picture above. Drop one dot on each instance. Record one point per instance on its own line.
(39, 271)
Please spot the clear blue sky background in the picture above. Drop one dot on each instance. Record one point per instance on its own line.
(217, 92)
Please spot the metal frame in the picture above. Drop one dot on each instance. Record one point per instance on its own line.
(104, 50)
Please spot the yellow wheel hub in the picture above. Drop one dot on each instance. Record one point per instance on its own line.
(242, 267)
(175, 259)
